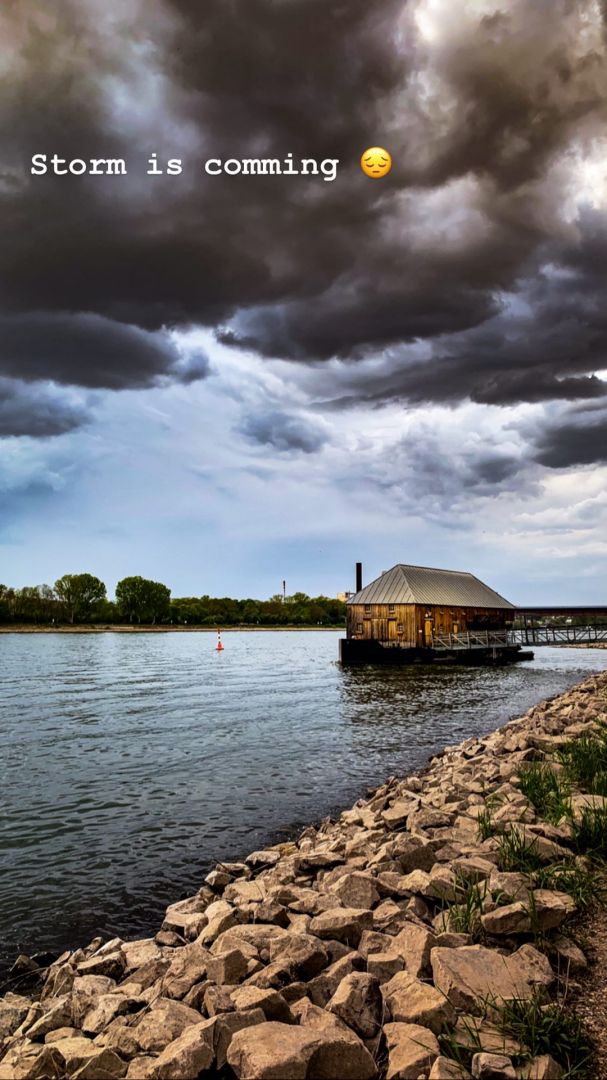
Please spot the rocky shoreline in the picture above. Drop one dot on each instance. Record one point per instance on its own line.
(399, 941)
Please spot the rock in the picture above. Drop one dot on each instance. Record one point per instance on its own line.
(413, 853)
(110, 964)
(416, 882)
(226, 1026)
(228, 967)
(358, 1002)
(33, 1062)
(272, 1003)
(305, 955)
(473, 868)
(414, 943)
(581, 804)
(104, 1064)
(509, 886)
(384, 965)
(395, 817)
(260, 859)
(141, 1067)
(59, 1014)
(372, 941)
(13, 1011)
(552, 908)
(541, 1068)
(342, 924)
(447, 1069)
(412, 1050)
(106, 1008)
(474, 974)
(62, 1033)
(187, 967)
(75, 1051)
(259, 935)
(188, 1055)
(492, 1067)
(271, 1051)
(165, 1022)
(86, 990)
(218, 879)
(411, 1001)
(356, 890)
(341, 1053)
(169, 939)
(244, 892)
(569, 955)
(138, 953)
(322, 988)
(510, 919)
(217, 1000)
(478, 1034)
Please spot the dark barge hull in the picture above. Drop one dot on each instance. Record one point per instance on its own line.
(352, 651)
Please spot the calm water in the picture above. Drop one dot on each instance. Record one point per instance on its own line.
(131, 764)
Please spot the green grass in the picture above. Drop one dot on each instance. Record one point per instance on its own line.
(549, 1029)
(486, 828)
(590, 833)
(545, 790)
(464, 917)
(585, 886)
(539, 1028)
(518, 854)
(585, 762)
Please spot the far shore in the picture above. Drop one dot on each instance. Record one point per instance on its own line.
(108, 629)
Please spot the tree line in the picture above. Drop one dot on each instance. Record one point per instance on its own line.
(81, 599)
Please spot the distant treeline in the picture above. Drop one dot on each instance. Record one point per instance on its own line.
(82, 598)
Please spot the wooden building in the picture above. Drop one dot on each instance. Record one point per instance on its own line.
(422, 611)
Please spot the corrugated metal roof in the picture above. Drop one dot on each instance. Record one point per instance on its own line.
(424, 585)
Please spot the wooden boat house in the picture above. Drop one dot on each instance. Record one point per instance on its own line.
(419, 614)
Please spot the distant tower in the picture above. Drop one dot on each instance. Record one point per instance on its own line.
(284, 592)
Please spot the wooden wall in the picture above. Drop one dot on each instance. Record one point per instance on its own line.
(411, 624)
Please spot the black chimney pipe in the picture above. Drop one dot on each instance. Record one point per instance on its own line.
(359, 576)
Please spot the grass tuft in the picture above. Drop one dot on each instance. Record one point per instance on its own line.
(549, 1029)
(546, 791)
(518, 854)
(590, 832)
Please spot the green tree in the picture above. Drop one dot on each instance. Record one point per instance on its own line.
(141, 600)
(79, 594)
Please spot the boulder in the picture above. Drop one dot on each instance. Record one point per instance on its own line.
(259, 935)
(187, 967)
(492, 1067)
(57, 1015)
(356, 890)
(271, 1051)
(102, 1064)
(165, 1021)
(447, 1069)
(510, 919)
(412, 1050)
(190, 1054)
(342, 924)
(305, 955)
(273, 1005)
(106, 1008)
(552, 908)
(322, 988)
(414, 943)
(226, 1026)
(341, 1053)
(473, 975)
(411, 1001)
(227, 967)
(13, 1011)
(358, 1002)
(111, 964)
(384, 965)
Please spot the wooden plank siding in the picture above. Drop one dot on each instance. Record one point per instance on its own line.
(411, 624)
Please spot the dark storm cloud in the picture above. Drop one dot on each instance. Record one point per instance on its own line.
(91, 351)
(297, 268)
(285, 431)
(569, 443)
(37, 410)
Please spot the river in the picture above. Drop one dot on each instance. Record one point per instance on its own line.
(130, 764)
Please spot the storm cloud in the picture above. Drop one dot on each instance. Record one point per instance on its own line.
(475, 272)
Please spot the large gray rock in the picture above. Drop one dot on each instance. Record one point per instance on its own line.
(342, 924)
(275, 1051)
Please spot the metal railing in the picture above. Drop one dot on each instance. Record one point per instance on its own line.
(472, 639)
(558, 635)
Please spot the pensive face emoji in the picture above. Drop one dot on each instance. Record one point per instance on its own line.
(376, 162)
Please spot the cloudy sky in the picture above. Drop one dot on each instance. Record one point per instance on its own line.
(219, 382)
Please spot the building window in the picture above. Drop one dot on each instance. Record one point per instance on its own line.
(391, 609)
(367, 609)
(400, 628)
(359, 628)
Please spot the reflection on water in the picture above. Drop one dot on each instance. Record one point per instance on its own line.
(130, 764)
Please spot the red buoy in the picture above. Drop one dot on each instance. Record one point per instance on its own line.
(219, 646)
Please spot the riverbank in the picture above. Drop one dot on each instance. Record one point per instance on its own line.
(413, 930)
